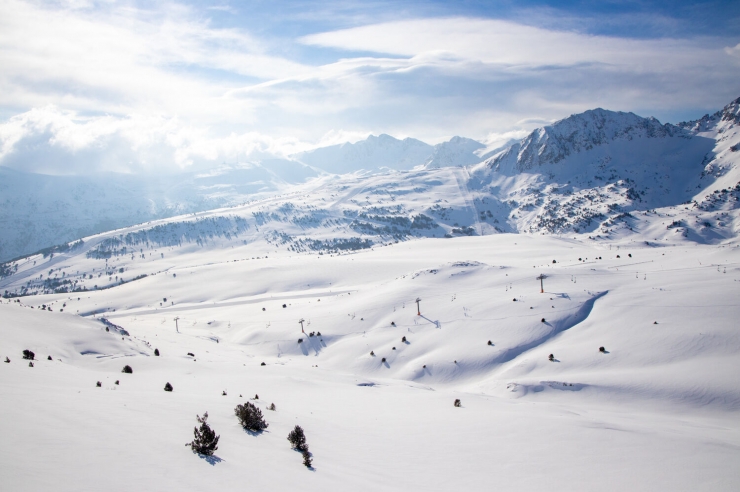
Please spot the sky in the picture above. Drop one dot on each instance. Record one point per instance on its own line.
(166, 86)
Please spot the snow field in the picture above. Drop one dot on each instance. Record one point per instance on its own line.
(657, 411)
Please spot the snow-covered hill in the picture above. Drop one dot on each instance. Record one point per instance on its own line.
(370, 380)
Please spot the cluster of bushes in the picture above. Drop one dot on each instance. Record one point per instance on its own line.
(205, 440)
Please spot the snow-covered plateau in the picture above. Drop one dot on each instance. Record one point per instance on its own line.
(577, 292)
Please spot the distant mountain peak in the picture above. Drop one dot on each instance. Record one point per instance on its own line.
(577, 133)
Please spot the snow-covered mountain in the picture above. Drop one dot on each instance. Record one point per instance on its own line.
(372, 154)
(458, 151)
(384, 152)
(606, 175)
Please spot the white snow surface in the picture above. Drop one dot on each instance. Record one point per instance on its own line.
(634, 224)
(658, 410)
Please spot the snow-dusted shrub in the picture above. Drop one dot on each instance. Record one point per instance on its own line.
(602, 349)
(156, 352)
(403, 339)
(271, 407)
(117, 382)
(28, 355)
(457, 402)
(551, 357)
(263, 364)
(127, 369)
(297, 438)
(98, 384)
(250, 417)
(30, 364)
(168, 387)
(490, 342)
(206, 440)
(543, 320)
(48, 358)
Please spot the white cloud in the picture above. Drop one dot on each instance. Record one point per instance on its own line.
(733, 50)
(515, 45)
(114, 87)
(54, 141)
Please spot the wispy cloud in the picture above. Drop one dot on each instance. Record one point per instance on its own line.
(110, 86)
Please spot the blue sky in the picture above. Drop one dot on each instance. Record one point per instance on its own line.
(161, 86)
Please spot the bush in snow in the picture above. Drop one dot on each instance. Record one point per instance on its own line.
(271, 407)
(206, 440)
(297, 439)
(27, 354)
(48, 358)
(127, 369)
(250, 417)
(7, 360)
(263, 364)
(457, 402)
(383, 359)
(403, 339)
(490, 342)
(156, 352)
(602, 349)
(30, 364)
(117, 382)
(543, 320)
(307, 461)
(168, 387)
(98, 384)
(372, 353)
(551, 357)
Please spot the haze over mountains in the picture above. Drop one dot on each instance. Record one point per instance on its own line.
(585, 174)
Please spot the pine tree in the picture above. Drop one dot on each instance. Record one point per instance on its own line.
(307, 461)
(250, 417)
(206, 440)
(298, 439)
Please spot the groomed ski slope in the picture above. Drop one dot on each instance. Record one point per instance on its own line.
(658, 410)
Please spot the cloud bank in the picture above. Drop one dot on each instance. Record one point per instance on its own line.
(88, 87)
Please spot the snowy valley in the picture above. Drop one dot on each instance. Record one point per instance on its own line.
(577, 292)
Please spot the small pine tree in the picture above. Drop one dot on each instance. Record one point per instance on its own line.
(298, 439)
(271, 407)
(250, 417)
(206, 440)
(168, 387)
(127, 369)
(307, 461)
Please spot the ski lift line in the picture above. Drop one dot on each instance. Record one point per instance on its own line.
(630, 264)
